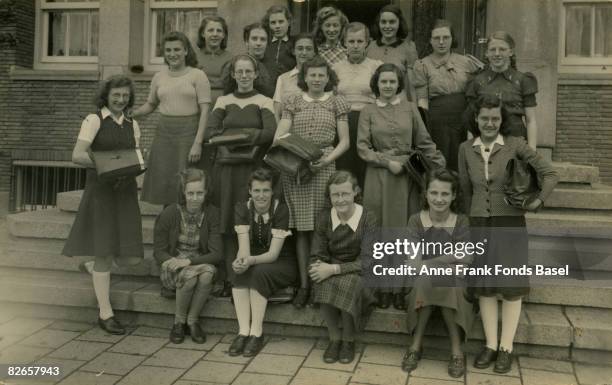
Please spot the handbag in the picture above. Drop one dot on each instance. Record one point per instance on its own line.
(118, 163)
(293, 155)
(521, 184)
(235, 146)
(416, 166)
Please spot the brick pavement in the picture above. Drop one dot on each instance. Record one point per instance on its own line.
(145, 356)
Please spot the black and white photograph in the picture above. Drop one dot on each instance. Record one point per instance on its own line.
(306, 192)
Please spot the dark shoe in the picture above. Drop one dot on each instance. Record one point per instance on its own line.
(347, 352)
(177, 334)
(503, 364)
(485, 358)
(332, 353)
(411, 360)
(399, 301)
(384, 300)
(253, 346)
(237, 346)
(227, 290)
(111, 326)
(456, 366)
(197, 335)
(301, 297)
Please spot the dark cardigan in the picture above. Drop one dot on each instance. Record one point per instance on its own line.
(166, 235)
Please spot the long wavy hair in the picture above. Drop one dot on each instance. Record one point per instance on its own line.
(190, 60)
(324, 14)
(402, 31)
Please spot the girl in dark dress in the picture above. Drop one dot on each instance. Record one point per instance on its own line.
(482, 171)
(439, 222)
(279, 56)
(108, 225)
(336, 266)
(264, 263)
(187, 245)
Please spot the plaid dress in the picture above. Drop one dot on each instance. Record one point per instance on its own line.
(332, 55)
(342, 246)
(315, 121)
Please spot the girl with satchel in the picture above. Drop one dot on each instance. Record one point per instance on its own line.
(251, 113)
(389, 130)
(482, 175)
(319, 116)
(108, 224)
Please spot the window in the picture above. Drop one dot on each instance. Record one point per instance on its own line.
(586, 38)
(174, 15)
(68, 31)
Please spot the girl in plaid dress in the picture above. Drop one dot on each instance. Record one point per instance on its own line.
(328, 30)
(318, 116)
(336, 266)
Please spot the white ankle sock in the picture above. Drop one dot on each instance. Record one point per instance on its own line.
(101, 284)
(511, 312)
(258, 307)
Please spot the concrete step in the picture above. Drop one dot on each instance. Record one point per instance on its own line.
(544, 325)
(70, 200)
(578, 253)
(576, 223)
(599, 197)
(574, 173)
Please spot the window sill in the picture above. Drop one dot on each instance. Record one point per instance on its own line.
(583, 79)
(20, 73)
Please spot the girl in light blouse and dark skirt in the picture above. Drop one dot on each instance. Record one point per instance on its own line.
(187, 245)
(388, 131)
(440, 82)
(517, 89)
(182, 93)
(482, 171)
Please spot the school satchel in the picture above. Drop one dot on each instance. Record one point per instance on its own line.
(521, 184)
(118, 163)
(235, 146)
(292, 155)
(416, 166)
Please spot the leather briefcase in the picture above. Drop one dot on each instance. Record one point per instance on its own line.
(118, 163)
(292, 155)
(235, 146)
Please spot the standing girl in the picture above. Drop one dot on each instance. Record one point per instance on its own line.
(182, 93)
(108, 224)
(328, 31)
(213, 53)
(439, 222)
(279, 56)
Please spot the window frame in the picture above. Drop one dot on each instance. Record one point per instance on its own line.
(41, 58)
(581, 64)
(153, 63)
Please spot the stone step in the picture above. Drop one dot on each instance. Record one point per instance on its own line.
(70, 200)
(599, 197)
(574, 173)
(544, 325)
(578, 253)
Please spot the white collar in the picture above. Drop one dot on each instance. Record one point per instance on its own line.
(353, 221)
(323, 98)
(499, 140)
(449, 225)
(394, 102)
(285, 39)
(105, 112)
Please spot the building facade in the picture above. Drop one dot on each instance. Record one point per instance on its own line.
(53, 54)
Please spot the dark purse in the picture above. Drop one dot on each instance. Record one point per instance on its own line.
(234, 146)
(521, 185)
(292, 155)
(416, 166)
(118, 163)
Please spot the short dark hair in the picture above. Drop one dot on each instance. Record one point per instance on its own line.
(189, 175)
(276, 9)
(342, 176)
(261, 174)
(246, 32)
(486, 101)
(387, 67)
(115, 81)
(444, 175)
(218, 19)
(191, 60)
(317, 62)
(402, 31)
(305, 35)
(324, 14)
(443, 23)
(232, 86)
